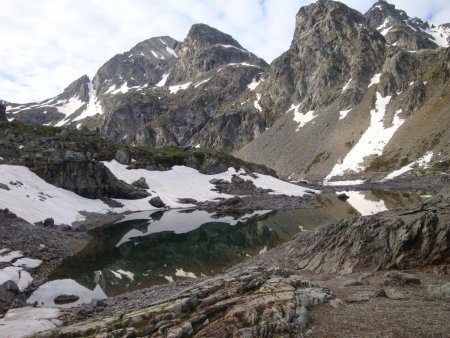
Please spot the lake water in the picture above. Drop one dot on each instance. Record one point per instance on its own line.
(149, 248)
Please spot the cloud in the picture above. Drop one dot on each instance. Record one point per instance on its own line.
(47, 44)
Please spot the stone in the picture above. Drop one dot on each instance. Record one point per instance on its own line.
(395, 294)
(157, 202)
(364, 296)
(123, 156)
(140, 183)
(345, 272)
(400, 278)
(49, 222)
(187, 201)
(10, 294)
(439, 291)
(65, 299)
(343, 197)
(336, 303)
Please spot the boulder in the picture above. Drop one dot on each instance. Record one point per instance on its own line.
(65, 299)
(140, 183)
(157, 202)
(123, 156)
(400, 278)
(10, 294)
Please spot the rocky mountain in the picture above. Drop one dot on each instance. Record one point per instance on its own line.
(345, 102)
(340, 103)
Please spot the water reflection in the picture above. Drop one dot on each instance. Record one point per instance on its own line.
(154, 248)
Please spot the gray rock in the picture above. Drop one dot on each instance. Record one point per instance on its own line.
(140, 183)
(439, 291)
(123, 156)
(363, 296)
(65, 299)
(336, 303)
(157, 202)
(9, 295)
(400, 278)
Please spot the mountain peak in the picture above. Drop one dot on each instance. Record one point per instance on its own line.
(207, 35)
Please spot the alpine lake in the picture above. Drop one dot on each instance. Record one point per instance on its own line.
(149, 248)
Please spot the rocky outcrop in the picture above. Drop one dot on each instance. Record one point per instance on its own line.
(256, 302)
(206, 48)
(404, 239)
(331, 46)
(398, 28)
(3, 113)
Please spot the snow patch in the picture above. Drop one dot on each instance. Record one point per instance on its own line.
(256, 103)
(9, 257)
(93, 107)
(29, 320)
(439, 34)
(346, 85)
(30, 263)
(343, 114)
(372, 142)
(384, 28)
(300, 118)
(41, 199)
(255, 83)
(171, 51)
(47, 292)
(201, 82)
(176, 88)
(421, 162)
(163, 81)
(181, 273)
(375, 79)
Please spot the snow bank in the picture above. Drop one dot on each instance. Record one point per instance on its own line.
(300, 118)
(177, 88)
(163, 80)
(47, 292)
(372, 142)
(183, 182)
(421, 162)
(34, 200)
(28, 321)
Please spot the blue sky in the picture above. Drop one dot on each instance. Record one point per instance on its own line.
(47, 44)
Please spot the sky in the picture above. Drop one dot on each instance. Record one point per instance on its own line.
(47, 44)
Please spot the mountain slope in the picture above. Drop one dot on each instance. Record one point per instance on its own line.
(343, 101)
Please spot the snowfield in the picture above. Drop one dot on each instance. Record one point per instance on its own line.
(34, 200)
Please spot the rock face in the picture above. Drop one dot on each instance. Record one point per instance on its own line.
(401, 30)
(403, 239)
(324, 96)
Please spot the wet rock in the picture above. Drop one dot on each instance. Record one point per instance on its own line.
(400, 278)
(65, 299)
(157, 202)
